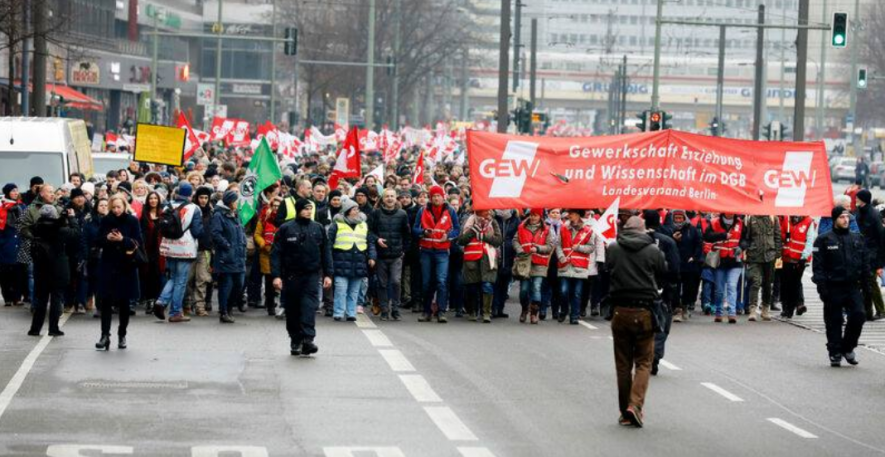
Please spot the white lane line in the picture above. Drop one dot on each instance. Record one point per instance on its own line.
(669, 365)
(352, 451)
(419, 388)
(377, 338)
(791, 428)
(19, 377)
(475, 452)
(728, 395)
(590, 326)
(397, 361)
(363, 321)
(446, 420)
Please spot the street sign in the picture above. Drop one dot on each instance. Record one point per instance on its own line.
(205, 94)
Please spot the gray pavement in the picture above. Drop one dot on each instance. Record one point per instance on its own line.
(413, 389)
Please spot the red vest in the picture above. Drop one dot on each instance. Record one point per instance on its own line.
(702, 223)
(527, 240)
(439, 230)
(575, 258)
(795, 236)
(726, 248)
(477, 247)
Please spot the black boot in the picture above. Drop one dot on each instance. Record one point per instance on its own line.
(308, 348)
(121, 342)
(104, 343)
(295, 348)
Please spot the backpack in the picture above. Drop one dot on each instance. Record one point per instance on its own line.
(170, 223)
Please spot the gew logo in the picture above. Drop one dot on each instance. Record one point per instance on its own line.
(793, 180)
(509, 174)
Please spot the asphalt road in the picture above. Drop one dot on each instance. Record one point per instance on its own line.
(413, 389)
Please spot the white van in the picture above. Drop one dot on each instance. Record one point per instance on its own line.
(51, 148)
(103, 162)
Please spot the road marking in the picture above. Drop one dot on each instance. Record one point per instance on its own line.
(446, 420)
(353, 451)
(216, 451)
(792, 428)
(396, 360)
(377, 338)
(73, 450)
(419, 388)
(669, 365)
(19, 377)
(730, 396)
(475, 452)
(590, 326)
(363, 321)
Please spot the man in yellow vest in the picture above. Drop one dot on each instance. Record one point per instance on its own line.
(287, 210)
(353, 253)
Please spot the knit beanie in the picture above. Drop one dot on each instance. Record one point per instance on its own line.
(838, 211)
(347, 204)
(7, 189)
(302, 204)
(229, 197)
(865, 196)
(185, 190)
(652, 218)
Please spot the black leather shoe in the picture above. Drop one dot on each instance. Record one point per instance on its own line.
(308, 348)
(33, 333)
(56, 333)
(836, 360)
(295, 348)
(850, 358)
(121, 342)
(104, 344)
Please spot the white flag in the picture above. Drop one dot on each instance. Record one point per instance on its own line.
(607, 224)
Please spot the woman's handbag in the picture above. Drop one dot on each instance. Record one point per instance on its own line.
(522, 267)
(712, 259)
(137, 257)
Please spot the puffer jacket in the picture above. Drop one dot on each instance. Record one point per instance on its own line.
(352, 263)
(229, 239)
(761, 239)
(596, 249)
(393, 226)
(481, 271)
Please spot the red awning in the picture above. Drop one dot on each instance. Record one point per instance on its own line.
(73, 98)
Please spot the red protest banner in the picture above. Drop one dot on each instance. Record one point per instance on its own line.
(666, 169)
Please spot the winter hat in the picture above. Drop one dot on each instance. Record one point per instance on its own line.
(49, 212)
(301, 204)
(334, 193)
(635, 224)
(185, 190)
(189, 166)
(838, 211)
(36, 181)
(362, 190)
(436, 190)
(223, 185)
(77, 192)
(125, 186)
(203, 190)
(230, 197)
(88, 188)
(679, 211)
(348, 204)
(538, 211)
(68, 187)
(652, 218)
(9, 188)
(404, 194)
(865, 196)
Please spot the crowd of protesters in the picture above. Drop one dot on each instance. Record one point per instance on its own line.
(110, 245)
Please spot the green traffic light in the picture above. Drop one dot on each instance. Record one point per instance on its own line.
(839, 40)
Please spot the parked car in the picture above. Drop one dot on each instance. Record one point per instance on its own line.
(843, 169)
(876, 170)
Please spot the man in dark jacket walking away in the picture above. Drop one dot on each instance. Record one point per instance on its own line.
(637, 266)
(870, 223)
(229, 239)
(301, 255)
(55, 238)
(840, 267)
(390, 230)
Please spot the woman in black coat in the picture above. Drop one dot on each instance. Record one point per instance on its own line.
(55, 238)
(119, 236)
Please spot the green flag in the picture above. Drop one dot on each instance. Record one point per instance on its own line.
(263, 171)
(144, 108)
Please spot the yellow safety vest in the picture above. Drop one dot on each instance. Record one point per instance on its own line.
(347, 237)
(291, 213)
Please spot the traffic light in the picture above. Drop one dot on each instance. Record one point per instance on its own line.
(715, 127)
(840, 30)
(862, 78)
(643, 121)
(391, 65)
(767, 132)
(665, 120)
(783, 132)
(655, 121)
(291, 46)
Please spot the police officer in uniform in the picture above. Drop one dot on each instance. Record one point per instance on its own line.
(840, 266)
(301, 255)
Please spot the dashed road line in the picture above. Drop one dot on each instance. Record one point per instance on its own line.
(449, 423)
(475, 452)
(588, 325)
(728, 395)
(419, 388)
(363, 321)
(669, 365)
(791, 428)
(377, 338)
(397, 361)
(353, 451)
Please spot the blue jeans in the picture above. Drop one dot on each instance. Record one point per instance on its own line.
(435, 270)
(228, 285)
(347, 292)
(727, 284)
(530, 290)
(571, 294)
(174, 289)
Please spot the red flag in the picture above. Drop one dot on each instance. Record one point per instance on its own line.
(270, 131)
(191, 143)
(348, 163)
(239, 134)
(418, 177)
(221, 127)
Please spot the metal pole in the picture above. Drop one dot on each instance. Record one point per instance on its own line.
(655, 94)
(26, 57)
(533, 72)
(218, 57)
(503, 60)
(758, 96)
(852, 78)
(464, 85)
(517, 43)
(273, 62)
(821, 74)
(625, 84)
(370, 71)
(397, 45)
(720, 80)
(801, 66)
(154, 60)
(781, 114)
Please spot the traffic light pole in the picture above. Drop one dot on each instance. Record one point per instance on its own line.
(273, 63)
(801, 73)
(852, 79)
(517, 42)
(656, 78)
(370, 70)
(720, 81)
(758, 96)
(821, 82)
(503, 64)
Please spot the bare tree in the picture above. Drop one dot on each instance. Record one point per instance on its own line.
(871, 106)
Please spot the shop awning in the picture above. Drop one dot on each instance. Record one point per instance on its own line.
(73, 98)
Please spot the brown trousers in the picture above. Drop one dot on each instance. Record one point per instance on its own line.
(634, 342)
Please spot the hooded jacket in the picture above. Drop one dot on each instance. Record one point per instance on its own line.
(229, 239)
(636, 268)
